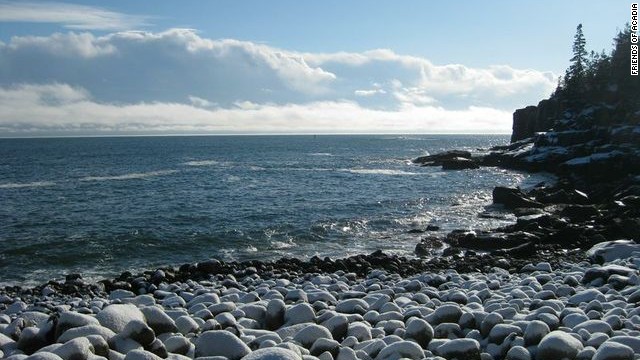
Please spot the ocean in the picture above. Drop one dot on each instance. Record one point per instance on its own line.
(99, 206)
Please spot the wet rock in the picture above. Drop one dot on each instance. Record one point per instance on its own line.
(513, 198)
(459, 163)
(437, 159)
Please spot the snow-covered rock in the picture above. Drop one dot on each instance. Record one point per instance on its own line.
(611, 250)
(273, 353)
(613, 351)
(460, 348)
(117, 316)
(308, 335)
(220, 343)
(399, 350)
(558, 345)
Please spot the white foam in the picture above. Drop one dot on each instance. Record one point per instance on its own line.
(26, 185)
(201, 163)
(321, 154)
(283, 244)
(379, 172)
(129, 176)
(232, 178)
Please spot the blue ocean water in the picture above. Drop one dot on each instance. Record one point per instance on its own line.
(100, 206)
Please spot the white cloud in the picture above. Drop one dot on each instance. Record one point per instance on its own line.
(27, 109)
(179, 76)
(71, 16)
(369, 92)
(166, 66)
(200, 102)
(500, 84)
(69, 46)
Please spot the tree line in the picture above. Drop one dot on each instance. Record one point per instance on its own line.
(600, 78)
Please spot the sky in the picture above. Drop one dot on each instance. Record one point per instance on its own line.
(80, 68)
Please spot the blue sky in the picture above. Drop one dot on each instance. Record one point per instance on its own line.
(285, 66)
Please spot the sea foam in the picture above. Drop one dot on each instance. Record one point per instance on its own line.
(129, 176)
(380, 172)
(26, 185)
(201, 163)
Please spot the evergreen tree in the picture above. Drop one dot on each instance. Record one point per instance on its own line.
(628, 87)
(574, 78)
(601, 79)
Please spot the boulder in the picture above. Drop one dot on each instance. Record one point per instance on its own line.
(72, 319)
(400, 350)
(299, 313)
(274, 316)
(141, 355)
(468, 349)
(459, 163)
(420, 331)
(273, 353)
(513, 198)
(307, 336)
(158, 320)
(437, 159)
(613, 351)
(611, 250)
(220, 343)
(76, 349)
(558, 345)
(117, 316)
(87, 330)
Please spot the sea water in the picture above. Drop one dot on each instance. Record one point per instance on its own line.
(99, 206)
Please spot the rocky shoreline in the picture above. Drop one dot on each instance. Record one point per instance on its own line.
(596, 197)
(574, 310)
(524, 291)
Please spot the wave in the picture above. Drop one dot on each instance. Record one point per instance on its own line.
(380, 172)
(201, 163)
(130, 176)
(279, 245)
(232, 178)
(321, 154)
(26, 185)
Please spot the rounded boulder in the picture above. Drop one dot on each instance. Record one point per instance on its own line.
(220, 343)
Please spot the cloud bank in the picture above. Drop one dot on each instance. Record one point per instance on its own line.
(180, 82)
(71, 16)
(28, 109)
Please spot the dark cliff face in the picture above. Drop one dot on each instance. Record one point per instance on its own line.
(532, 119)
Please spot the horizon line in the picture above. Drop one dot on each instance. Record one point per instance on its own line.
(241, 134)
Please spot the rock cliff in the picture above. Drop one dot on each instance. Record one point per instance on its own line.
(533, 119)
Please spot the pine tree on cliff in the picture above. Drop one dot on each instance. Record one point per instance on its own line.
(574, 79)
